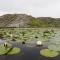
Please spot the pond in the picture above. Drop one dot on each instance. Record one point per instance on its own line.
(30, 51)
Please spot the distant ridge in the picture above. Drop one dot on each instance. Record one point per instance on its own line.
(23, 20)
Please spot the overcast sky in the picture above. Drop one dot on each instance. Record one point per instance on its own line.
(36, 8)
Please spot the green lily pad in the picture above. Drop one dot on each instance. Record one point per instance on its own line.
(14, 51)
(4, 50)
(54, 47)
(48, 53)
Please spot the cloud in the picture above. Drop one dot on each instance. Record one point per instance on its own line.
(33, 7)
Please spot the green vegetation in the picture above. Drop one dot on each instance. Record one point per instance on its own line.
(48, 53)
(8, 50)
(34, 23)
(24, 34)
(3, 50)
(48, 34)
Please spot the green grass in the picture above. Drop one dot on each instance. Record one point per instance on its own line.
(48, 53)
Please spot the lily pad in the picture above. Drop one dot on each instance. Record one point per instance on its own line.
(54, 47)
(7, 51)
(14, 51)
(48, 53)
(3, 50)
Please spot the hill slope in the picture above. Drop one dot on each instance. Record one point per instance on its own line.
(23, 20)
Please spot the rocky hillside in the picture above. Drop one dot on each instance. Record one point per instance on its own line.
(23, 20)
(15, 20)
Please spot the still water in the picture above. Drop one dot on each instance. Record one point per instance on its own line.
(28, 53)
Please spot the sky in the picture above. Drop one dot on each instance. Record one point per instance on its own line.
(36, 8)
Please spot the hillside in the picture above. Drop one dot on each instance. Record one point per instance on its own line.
(14, 20)
(23, 20)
